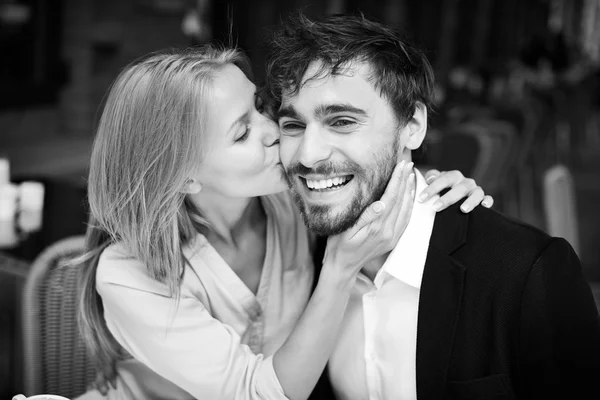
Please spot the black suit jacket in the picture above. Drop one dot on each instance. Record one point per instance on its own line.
(504, 313)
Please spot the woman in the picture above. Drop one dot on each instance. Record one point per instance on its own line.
(199, 275)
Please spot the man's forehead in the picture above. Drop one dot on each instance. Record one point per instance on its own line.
(319, 74)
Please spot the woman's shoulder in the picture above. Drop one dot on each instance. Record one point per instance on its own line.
(118, 266)
(114, 260)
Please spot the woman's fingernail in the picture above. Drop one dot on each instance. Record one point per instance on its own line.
(412, 194)
(437, 206)
(465, 208)
(485, 203)
(422, 197)
(402, 164)
(431, 178)
(409, 165)
(378, 206)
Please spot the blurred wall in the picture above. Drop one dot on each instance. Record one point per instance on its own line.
(98, 37)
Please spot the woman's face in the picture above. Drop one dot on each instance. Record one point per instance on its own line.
(243, 152)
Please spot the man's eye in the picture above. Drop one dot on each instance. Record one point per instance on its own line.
(343, 123)
(291, 127)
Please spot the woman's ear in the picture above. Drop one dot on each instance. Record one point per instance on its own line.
(192, 186)
(416, 128)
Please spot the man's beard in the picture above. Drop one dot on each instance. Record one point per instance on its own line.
(374, 178)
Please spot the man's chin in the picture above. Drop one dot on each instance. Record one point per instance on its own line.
(325, 221)
(330, 218)
(326, 228)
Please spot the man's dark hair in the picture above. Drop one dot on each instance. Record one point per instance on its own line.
(400, 71)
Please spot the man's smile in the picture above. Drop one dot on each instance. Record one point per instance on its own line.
(326, 183)
(333, 190)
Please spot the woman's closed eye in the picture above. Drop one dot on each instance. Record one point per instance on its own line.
(244, 134)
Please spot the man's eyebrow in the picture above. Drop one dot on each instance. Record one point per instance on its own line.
(321, 111)
(287, 111)
(326, 109)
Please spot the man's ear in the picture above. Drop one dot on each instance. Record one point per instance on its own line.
(192, 186)
(415, 129)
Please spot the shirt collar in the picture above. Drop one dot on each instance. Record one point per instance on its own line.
(407, 261)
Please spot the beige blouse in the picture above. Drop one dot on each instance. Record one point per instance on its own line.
(218, 342)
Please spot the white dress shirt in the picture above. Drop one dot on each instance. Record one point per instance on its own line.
(375, 357)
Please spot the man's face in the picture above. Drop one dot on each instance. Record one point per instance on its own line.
(340, 142)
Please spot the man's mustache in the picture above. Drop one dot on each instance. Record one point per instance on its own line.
(328, 168)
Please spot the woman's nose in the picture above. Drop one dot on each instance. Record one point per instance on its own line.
(271, 133)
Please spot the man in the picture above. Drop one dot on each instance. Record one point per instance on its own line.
(467, 306)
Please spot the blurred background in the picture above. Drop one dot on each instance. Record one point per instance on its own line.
(518, 104)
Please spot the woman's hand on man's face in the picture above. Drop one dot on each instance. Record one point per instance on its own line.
(378, 228)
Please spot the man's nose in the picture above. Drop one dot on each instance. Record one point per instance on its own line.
(313, 148)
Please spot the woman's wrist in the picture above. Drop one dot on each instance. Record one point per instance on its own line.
(337, 277)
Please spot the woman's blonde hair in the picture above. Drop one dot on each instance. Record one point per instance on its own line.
(150, 140)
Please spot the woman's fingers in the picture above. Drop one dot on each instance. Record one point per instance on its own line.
(396, 188)
(460, 187)
(406, 210)
(391, 226)
(451, 179)
(488, 201)
(396, 184)
(369, 215)
(473, 200)
(404, 191)
(431, 175)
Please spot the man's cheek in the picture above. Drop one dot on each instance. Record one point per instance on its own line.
(285, 154)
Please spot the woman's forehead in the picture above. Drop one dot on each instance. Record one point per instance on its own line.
(231, 99)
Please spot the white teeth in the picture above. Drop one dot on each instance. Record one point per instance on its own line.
(325, 183)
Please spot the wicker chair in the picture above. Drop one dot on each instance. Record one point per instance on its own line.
(55, 359)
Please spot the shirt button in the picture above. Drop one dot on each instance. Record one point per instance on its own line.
(371, 295)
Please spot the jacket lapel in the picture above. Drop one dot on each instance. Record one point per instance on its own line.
(439, 302)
